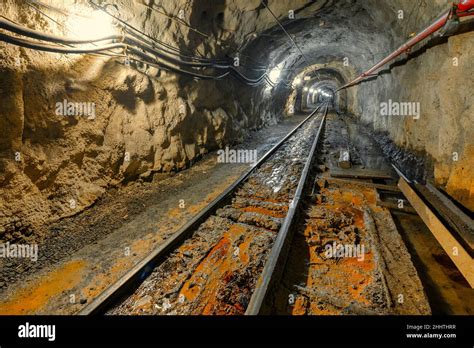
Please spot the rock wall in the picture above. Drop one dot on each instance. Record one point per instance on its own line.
(149, 120)
(146, 120)
(439, 145)
(437, 76)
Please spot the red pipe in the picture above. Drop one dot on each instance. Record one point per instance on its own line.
(465, 5)
(466, 14)
(461, 6)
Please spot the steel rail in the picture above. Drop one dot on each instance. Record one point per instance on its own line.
(278, 254)
(142, 269)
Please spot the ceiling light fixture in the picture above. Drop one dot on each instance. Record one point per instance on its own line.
(274, 74)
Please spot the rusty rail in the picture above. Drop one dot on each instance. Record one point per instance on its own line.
(143, 269)
(276, 260)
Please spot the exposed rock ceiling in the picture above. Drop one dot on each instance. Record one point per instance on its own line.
(139, 107)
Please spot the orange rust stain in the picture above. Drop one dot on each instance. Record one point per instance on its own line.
(356, 200)
(243, 251)
(216, 270)
(175, 213)
(350, 275)
(34, 297)
(263, 211)
(300, 305)
(359, 274)
(215, 258)
(121, 264)
(347, 278)
(308, 230)
(365, 265)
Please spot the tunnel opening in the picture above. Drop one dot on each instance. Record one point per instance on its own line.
(319, 86)
(320, 94)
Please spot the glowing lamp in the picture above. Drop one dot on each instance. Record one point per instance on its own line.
(274, 74)
(91, 24)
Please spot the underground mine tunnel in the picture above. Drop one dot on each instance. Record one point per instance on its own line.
(237, 157)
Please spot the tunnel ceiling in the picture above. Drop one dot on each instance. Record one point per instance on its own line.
(328, 31)
(126, 123)
(165, 120)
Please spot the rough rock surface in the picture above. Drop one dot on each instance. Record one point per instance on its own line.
(149, 120)
(347, 37)
(146, 120)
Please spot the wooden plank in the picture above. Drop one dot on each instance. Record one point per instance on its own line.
(360, 174)
(366, 184)
(461, 258)
(395, 206)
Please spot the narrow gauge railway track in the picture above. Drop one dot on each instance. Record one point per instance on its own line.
(221, 261)
(345, 254)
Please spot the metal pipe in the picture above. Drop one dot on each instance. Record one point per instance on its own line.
(465, 5)
(432, 28)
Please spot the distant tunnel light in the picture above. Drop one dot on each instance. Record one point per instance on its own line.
(305, 89)
(297, 82)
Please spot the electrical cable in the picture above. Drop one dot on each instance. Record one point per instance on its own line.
(135, 38)
(145, 58)
(130, 43)
(110, 46)
(51, 8)
(285, 31)
(220, 64)
(14, 28)
(128, 25)
(180, 21)
(117, 19)
(264, 2)
(56, 49)
(124, 38)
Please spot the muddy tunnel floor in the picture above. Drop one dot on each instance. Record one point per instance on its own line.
(215, 271)
(350, 252)
(268, 171)
(347, 256)
(351, 255)
(84, 254)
